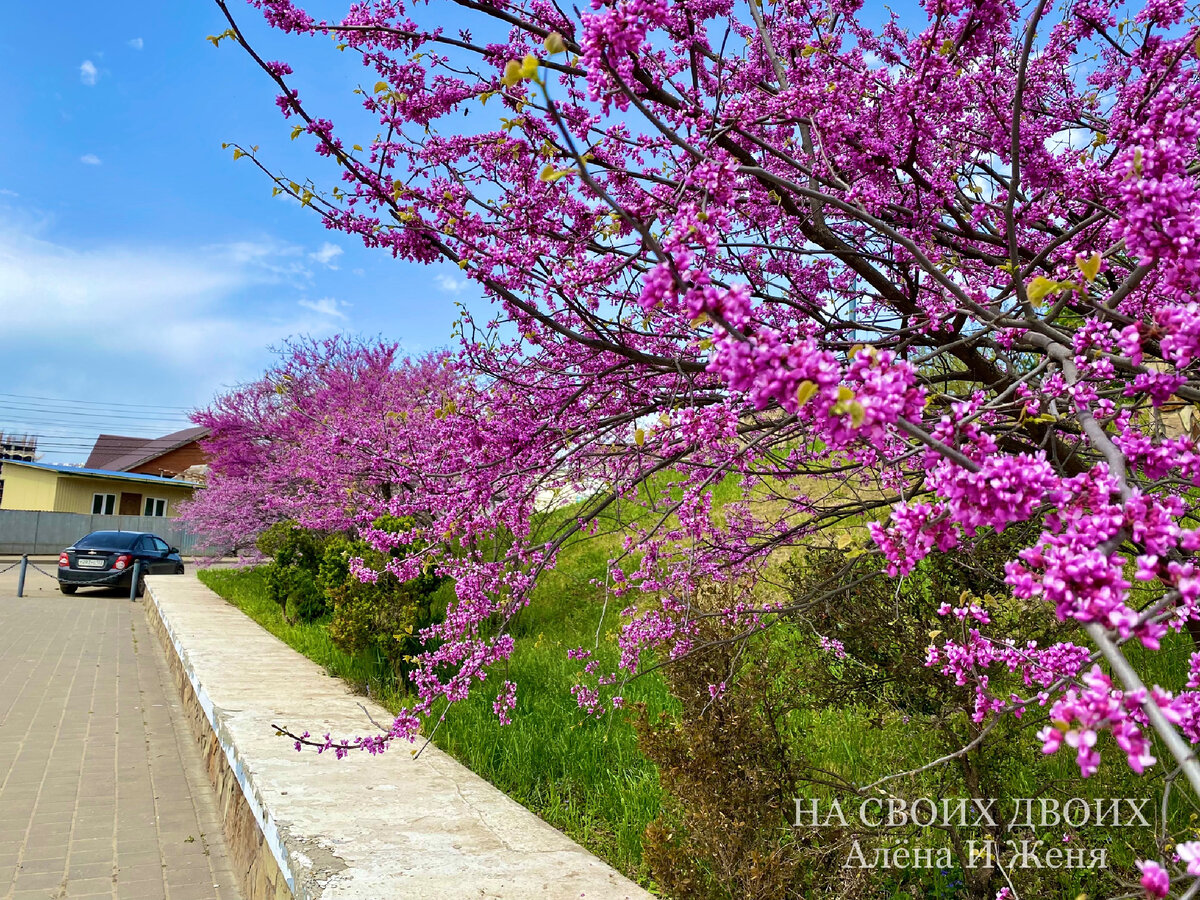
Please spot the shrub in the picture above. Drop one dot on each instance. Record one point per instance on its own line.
(310, 578)
(799, 720)
(291, 578)
(727, 770)
(386, 615)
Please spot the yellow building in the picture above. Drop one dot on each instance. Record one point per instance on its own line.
(51, 488)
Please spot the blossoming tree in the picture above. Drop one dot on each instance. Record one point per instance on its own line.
(938, 275)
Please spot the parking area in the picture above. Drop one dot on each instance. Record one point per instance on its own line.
(102, 788)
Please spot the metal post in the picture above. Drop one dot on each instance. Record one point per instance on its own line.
(137, 574)
(21, 575)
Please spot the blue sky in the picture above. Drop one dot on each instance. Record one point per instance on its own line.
(139, 263)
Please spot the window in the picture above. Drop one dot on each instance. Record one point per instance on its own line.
(155, 506)
(103, 504)
(160, 545)
(107, 540)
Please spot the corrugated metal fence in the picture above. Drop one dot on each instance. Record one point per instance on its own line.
(30, 531)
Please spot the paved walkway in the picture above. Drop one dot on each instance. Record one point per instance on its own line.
(364, 827)
(102, 789)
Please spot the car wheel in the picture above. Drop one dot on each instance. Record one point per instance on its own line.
(179, 569)
(68, 588)
(141, 585)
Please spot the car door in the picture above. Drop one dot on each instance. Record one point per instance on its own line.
(144, 552)
(163, 549)
(150, 555)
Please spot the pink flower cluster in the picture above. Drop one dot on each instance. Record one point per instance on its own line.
(1081, 714)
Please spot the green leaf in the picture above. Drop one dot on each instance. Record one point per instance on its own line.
(512, 73)
(805, 391)
(1040, 288)
(1090, 267)
(857, 414)
(551, 174)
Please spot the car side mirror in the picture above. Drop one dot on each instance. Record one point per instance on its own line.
(172, 550)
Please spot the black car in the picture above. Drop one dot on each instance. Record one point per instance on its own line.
(106, 558)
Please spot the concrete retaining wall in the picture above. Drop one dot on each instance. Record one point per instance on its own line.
(311, 827)
(36, 532)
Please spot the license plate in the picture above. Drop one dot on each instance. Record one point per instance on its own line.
(90, 563)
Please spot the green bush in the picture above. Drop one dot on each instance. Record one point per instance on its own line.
(386, 615)
(292, 576)
(309, 577)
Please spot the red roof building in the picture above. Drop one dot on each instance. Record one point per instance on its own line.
(166, 456)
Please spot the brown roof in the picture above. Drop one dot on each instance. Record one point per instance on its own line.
(132, 452)
(113, 446)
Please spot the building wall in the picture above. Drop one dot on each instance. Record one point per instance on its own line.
(75, 493)
(171, 464)
(26, 488)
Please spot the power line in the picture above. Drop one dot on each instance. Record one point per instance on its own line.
(72, 401)
(53, 412)
(125, 440)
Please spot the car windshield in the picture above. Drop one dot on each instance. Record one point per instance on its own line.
(108, 540)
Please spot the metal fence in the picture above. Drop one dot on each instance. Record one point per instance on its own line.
(32, 531)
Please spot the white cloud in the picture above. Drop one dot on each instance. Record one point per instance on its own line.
(281, 259)
(136, 43)
(327, 254)
(88, 73)
(5, 192)
(187, 321)
(326, 306)
(449, 284)
(90, 159)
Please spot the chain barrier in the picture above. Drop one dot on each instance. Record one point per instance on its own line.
(38, 568)
(25, 563)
